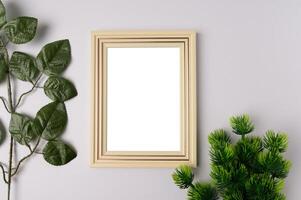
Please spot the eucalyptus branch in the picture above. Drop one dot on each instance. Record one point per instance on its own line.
(4, 103)
(3, 173)
(26, 157)
(29, 91)
(52, 60)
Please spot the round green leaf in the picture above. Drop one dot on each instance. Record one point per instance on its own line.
(2, 14)
(2, 136)
(51, 120)
(2, 133)
(20, 127)
(58, 153)
(3, 68)
(59, 89)
(54, 57)
(3, 61)
(3, 51)
(23, 66)
(21, 29)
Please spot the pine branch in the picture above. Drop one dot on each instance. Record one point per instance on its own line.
(183, 177)
(248, 148)
(276, 143)
(219, 138)
(252, 169)
(202, 191)
(274, 164)
(242, 124)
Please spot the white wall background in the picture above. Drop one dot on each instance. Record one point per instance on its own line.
(248, 61)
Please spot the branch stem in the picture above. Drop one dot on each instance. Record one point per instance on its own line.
(26, 157)
(4, 103)
(29, 91)
(12, 109)
(3, 173)
(10, 166)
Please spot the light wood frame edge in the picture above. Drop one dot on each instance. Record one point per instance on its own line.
(192, 160)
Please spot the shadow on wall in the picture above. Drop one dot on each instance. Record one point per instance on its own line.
(16, 11)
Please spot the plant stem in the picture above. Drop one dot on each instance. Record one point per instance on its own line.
(4, 103)
(10, 166)
(26, 157)
(12, 109)
(29, 91)
(3, 173)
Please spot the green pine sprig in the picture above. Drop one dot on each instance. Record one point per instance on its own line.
(241, 124)
(275, 142)
(202, 191)
(183, 177)
(253, 168)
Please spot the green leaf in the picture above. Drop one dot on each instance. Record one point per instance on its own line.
(2, 136)
(2, 133)
(51, 120)
(59, 89)
(3, 68)
(54, 57)
(3, 51)
(58, 153)
(2, 14)
(3, 61)
(23, 66)
(21, 129)
(21, 29)
(183, 177)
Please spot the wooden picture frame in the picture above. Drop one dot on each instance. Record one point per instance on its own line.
(186, 42)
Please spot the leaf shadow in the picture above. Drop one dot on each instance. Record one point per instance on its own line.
(41, 33)
(14, 10)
